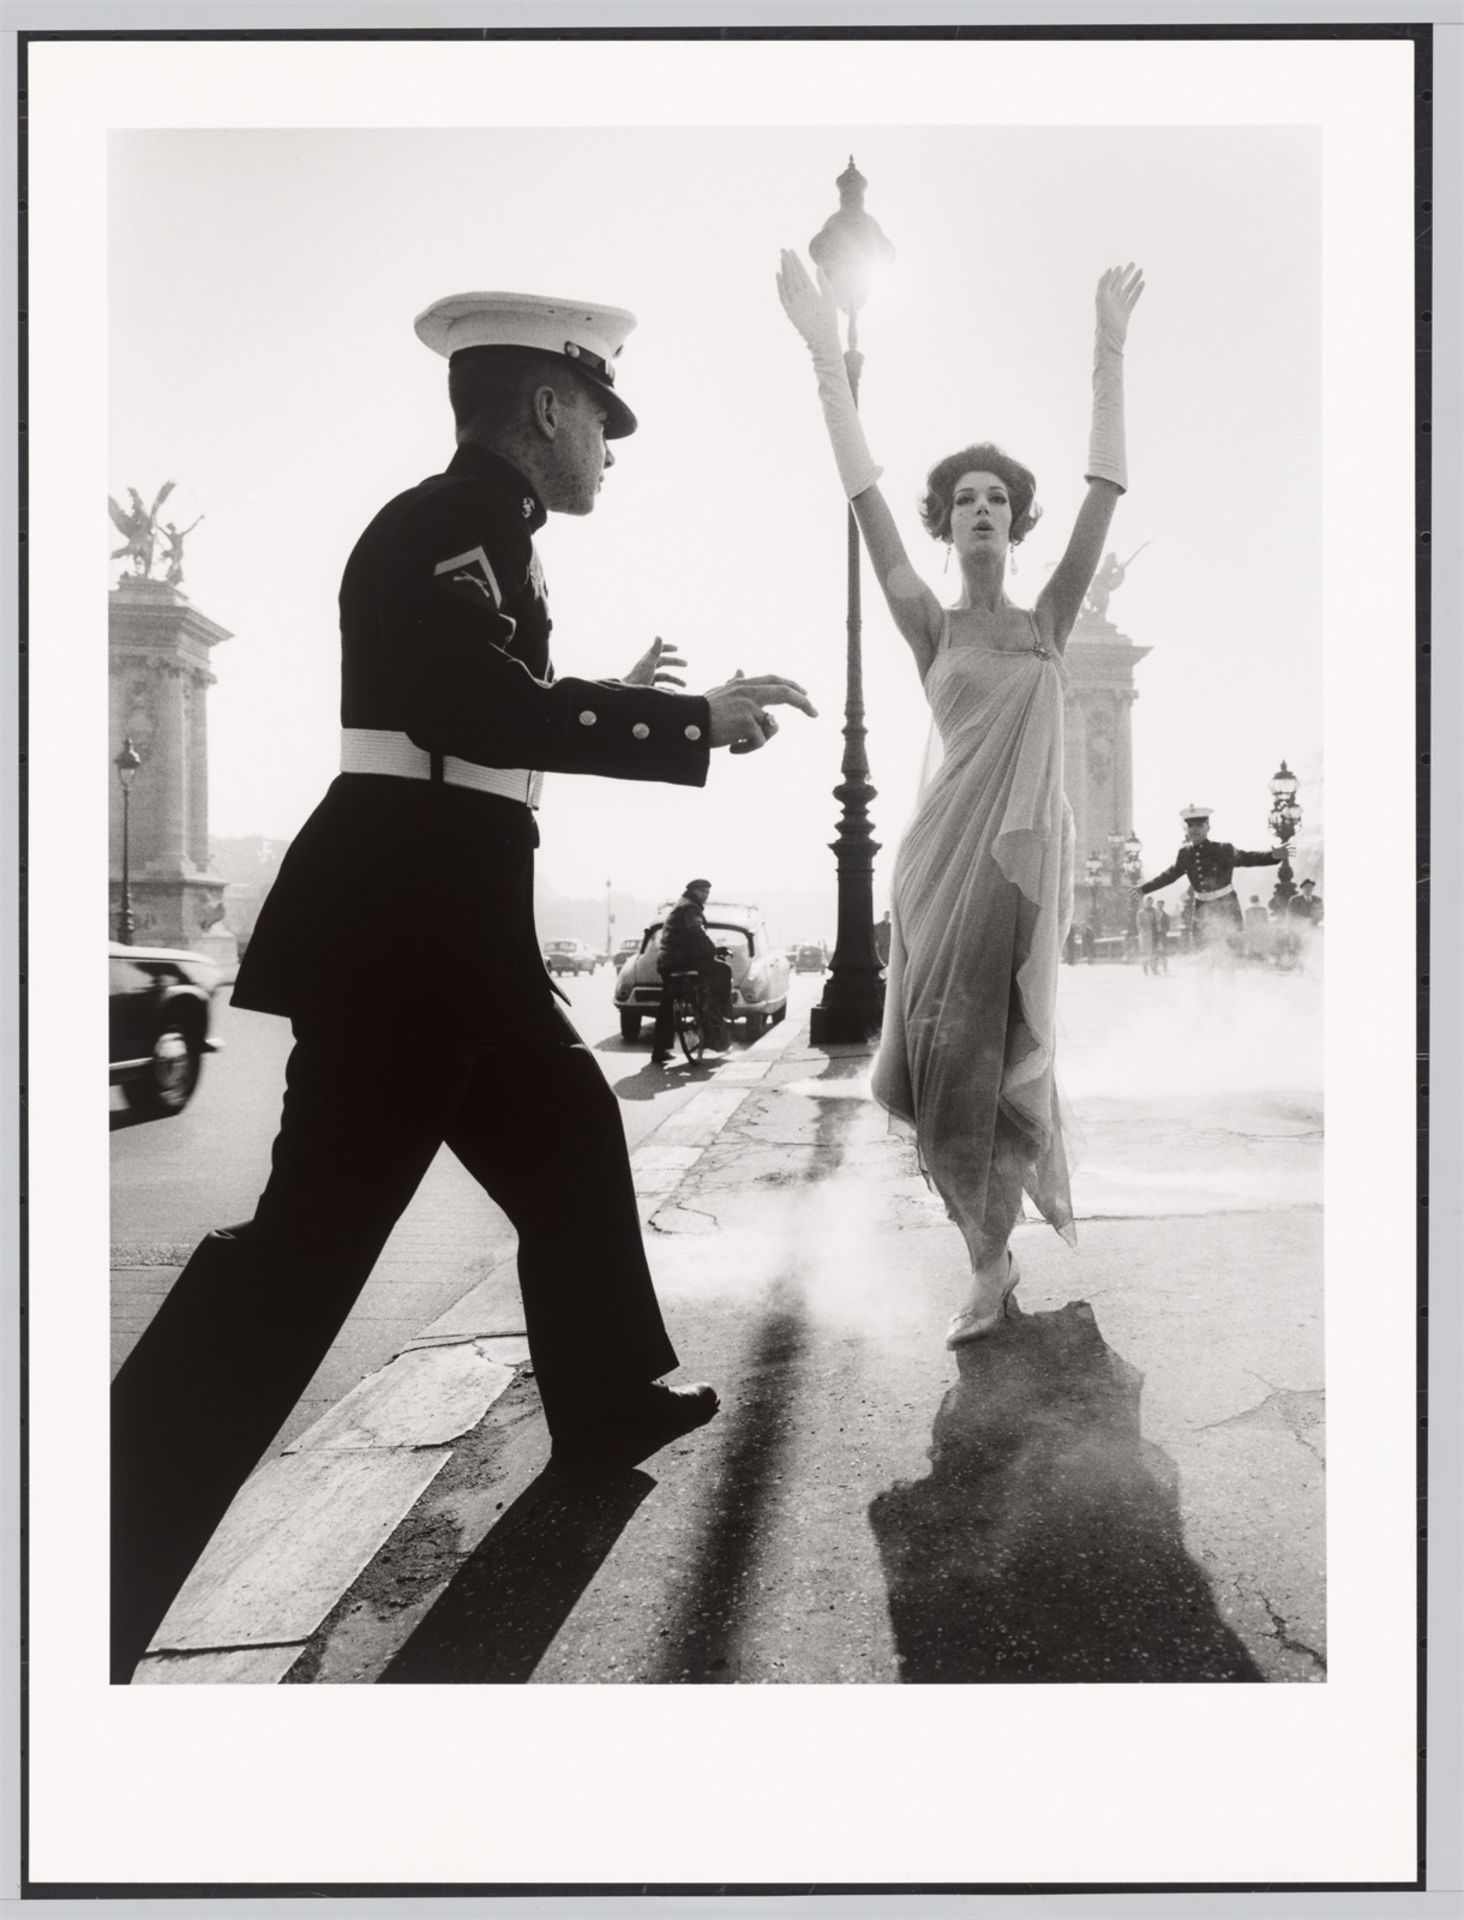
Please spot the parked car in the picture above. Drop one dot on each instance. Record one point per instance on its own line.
(759, 971)
(570, 956)
(810, 959)
(161, 1003)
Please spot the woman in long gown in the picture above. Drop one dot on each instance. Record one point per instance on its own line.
(981, 897)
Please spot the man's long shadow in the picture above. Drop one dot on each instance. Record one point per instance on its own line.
(1046, 1543)
(509, 1600)
(648, 1082)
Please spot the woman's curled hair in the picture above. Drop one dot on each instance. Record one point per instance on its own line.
(940, 489)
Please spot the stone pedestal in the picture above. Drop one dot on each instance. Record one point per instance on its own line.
(159, 648)
(1098, 766)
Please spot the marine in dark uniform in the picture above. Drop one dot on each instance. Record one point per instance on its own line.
(1208, 866)
(424, 844)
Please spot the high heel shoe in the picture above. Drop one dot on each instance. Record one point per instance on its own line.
(965, 1327)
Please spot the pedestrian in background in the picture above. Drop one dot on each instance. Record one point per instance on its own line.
(1146, 927)
(1161, 936)
(451, 715)
(1257, 931)
(1305, 905)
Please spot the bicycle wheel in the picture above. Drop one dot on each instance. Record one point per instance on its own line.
(689, 1024)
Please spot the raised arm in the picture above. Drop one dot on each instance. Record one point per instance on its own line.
(1061, 600)
(1165, 879)
(913, 607)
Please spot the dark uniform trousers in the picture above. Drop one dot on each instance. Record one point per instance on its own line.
(257, 1307)
(445, 633)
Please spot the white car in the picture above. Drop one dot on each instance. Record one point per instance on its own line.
(759, 971)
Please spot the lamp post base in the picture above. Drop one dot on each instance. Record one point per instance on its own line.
(848, 1018)
(851, 1010)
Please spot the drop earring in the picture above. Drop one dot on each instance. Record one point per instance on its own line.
(1013, 552)
(946, 566)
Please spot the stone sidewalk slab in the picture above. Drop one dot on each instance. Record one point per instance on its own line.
(299, 1533)
(236, 1666)
(427, 1397)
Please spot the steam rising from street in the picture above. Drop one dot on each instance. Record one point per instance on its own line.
(1208, 1026)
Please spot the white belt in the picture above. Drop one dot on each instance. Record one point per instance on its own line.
(1218, 894)
(379, 750)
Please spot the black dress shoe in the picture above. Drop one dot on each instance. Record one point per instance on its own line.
(637, 1423)
(660, 1059)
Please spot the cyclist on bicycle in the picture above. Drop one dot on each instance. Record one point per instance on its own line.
(686, 947)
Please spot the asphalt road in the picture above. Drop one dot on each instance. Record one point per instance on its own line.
(174, 1180)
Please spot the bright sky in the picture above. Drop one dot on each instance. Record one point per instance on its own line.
(263, 286)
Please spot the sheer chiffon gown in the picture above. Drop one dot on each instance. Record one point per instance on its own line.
(981, 902)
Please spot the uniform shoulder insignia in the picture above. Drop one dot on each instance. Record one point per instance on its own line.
(471, 573)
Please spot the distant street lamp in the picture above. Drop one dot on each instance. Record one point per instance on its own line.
(126, 763)
(850, 248)
(1285, 819)
(609, 924)
(1111, 879)
(1095, 872)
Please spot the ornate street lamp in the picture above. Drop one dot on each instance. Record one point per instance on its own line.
(1284, 820)
(850, 248)
(126, 763)
(1129, 871)
(1095, 872)
(609, 926)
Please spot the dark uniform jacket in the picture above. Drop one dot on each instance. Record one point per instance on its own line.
(1208, 866)
(406, 899)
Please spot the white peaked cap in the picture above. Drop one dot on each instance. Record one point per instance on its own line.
(589, 338)
(1192, 812)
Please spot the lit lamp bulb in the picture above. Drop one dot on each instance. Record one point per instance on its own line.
(849, 246)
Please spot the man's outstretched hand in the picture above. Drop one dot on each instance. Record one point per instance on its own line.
(654, 668)
(740, 717)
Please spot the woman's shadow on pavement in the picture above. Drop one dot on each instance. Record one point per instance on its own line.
(1046, 1543)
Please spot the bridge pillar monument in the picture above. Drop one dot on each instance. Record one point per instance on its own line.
(159, 646)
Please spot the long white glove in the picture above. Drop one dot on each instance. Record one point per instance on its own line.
(812, 311)
(1118, 291)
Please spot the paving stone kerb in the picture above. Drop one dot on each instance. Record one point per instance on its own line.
(1199, 1262)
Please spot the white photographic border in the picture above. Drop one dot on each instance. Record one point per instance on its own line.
(789, 1785)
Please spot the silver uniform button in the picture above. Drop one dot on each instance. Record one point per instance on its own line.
(693, 733)
(588, 719)
(641, 730)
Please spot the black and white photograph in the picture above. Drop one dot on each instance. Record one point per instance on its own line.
(750, 767)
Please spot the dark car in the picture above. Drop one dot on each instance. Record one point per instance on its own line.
(161, 1002)
(810, 959)
(570, 956)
